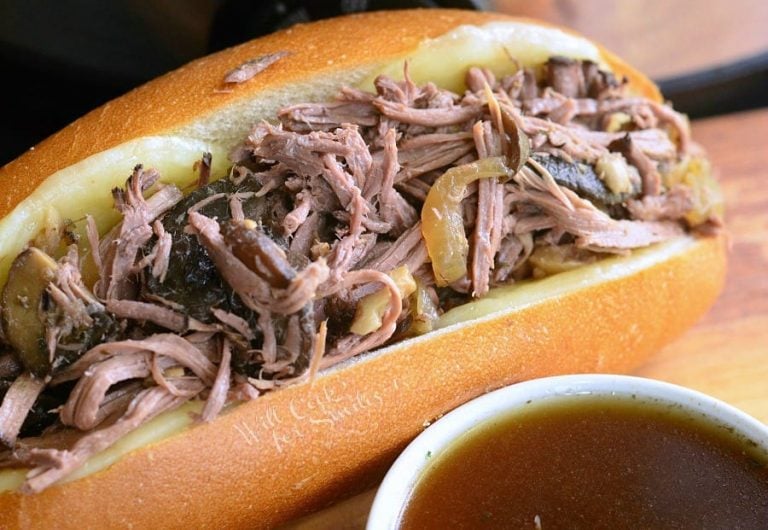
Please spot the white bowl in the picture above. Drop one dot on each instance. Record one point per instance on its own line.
(399, 482)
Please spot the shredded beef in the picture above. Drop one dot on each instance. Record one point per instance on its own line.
(254, 290)
(486, 236)
(251, 282)
(235, 322)
(592, 227)
(434, 117)
(161, 252)
(573, 78)
(300, 153)
(566, 76)
(74, 319)
(424, 153)
(175, 347)
(118, 253)
(477, 78)
(307, 234)
(148, 312)
(673, 205)
(328, 116)
(513, 251)
(145, 406)
(81, 410)
(584, 145)
(408, 246)
(218, 395)
(394, 209)
(299, 214)
(18, 401)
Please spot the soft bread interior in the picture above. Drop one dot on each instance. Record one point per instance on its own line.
(496, 45)
(85, 186)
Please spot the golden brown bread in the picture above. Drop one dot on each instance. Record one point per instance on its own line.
(298, 449)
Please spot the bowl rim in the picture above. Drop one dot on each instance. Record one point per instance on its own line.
(395, 489)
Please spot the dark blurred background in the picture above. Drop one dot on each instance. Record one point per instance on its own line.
(60, 59)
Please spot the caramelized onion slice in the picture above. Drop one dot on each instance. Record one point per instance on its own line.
(424, 311)
(442, 222)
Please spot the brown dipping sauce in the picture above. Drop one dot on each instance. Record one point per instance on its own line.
(591, 462)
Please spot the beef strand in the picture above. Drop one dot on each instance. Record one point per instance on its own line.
(18, 401)
(145, 406)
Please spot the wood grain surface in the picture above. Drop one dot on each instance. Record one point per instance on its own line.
(662, 38)
(726, 354)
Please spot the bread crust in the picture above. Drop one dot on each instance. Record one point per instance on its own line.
(296, 450)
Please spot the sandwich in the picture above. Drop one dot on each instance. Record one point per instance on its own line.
(230, 296)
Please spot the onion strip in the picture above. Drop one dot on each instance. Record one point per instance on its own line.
(442, 222)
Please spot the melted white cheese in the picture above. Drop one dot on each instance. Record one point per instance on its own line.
(86, 187)
(445, 60)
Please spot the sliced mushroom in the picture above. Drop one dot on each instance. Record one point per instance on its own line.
(24, 301)
(517, 146)
(192, 280)
(584, 180)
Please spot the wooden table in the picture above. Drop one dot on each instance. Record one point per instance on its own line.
(663, 39)
(726, 354)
